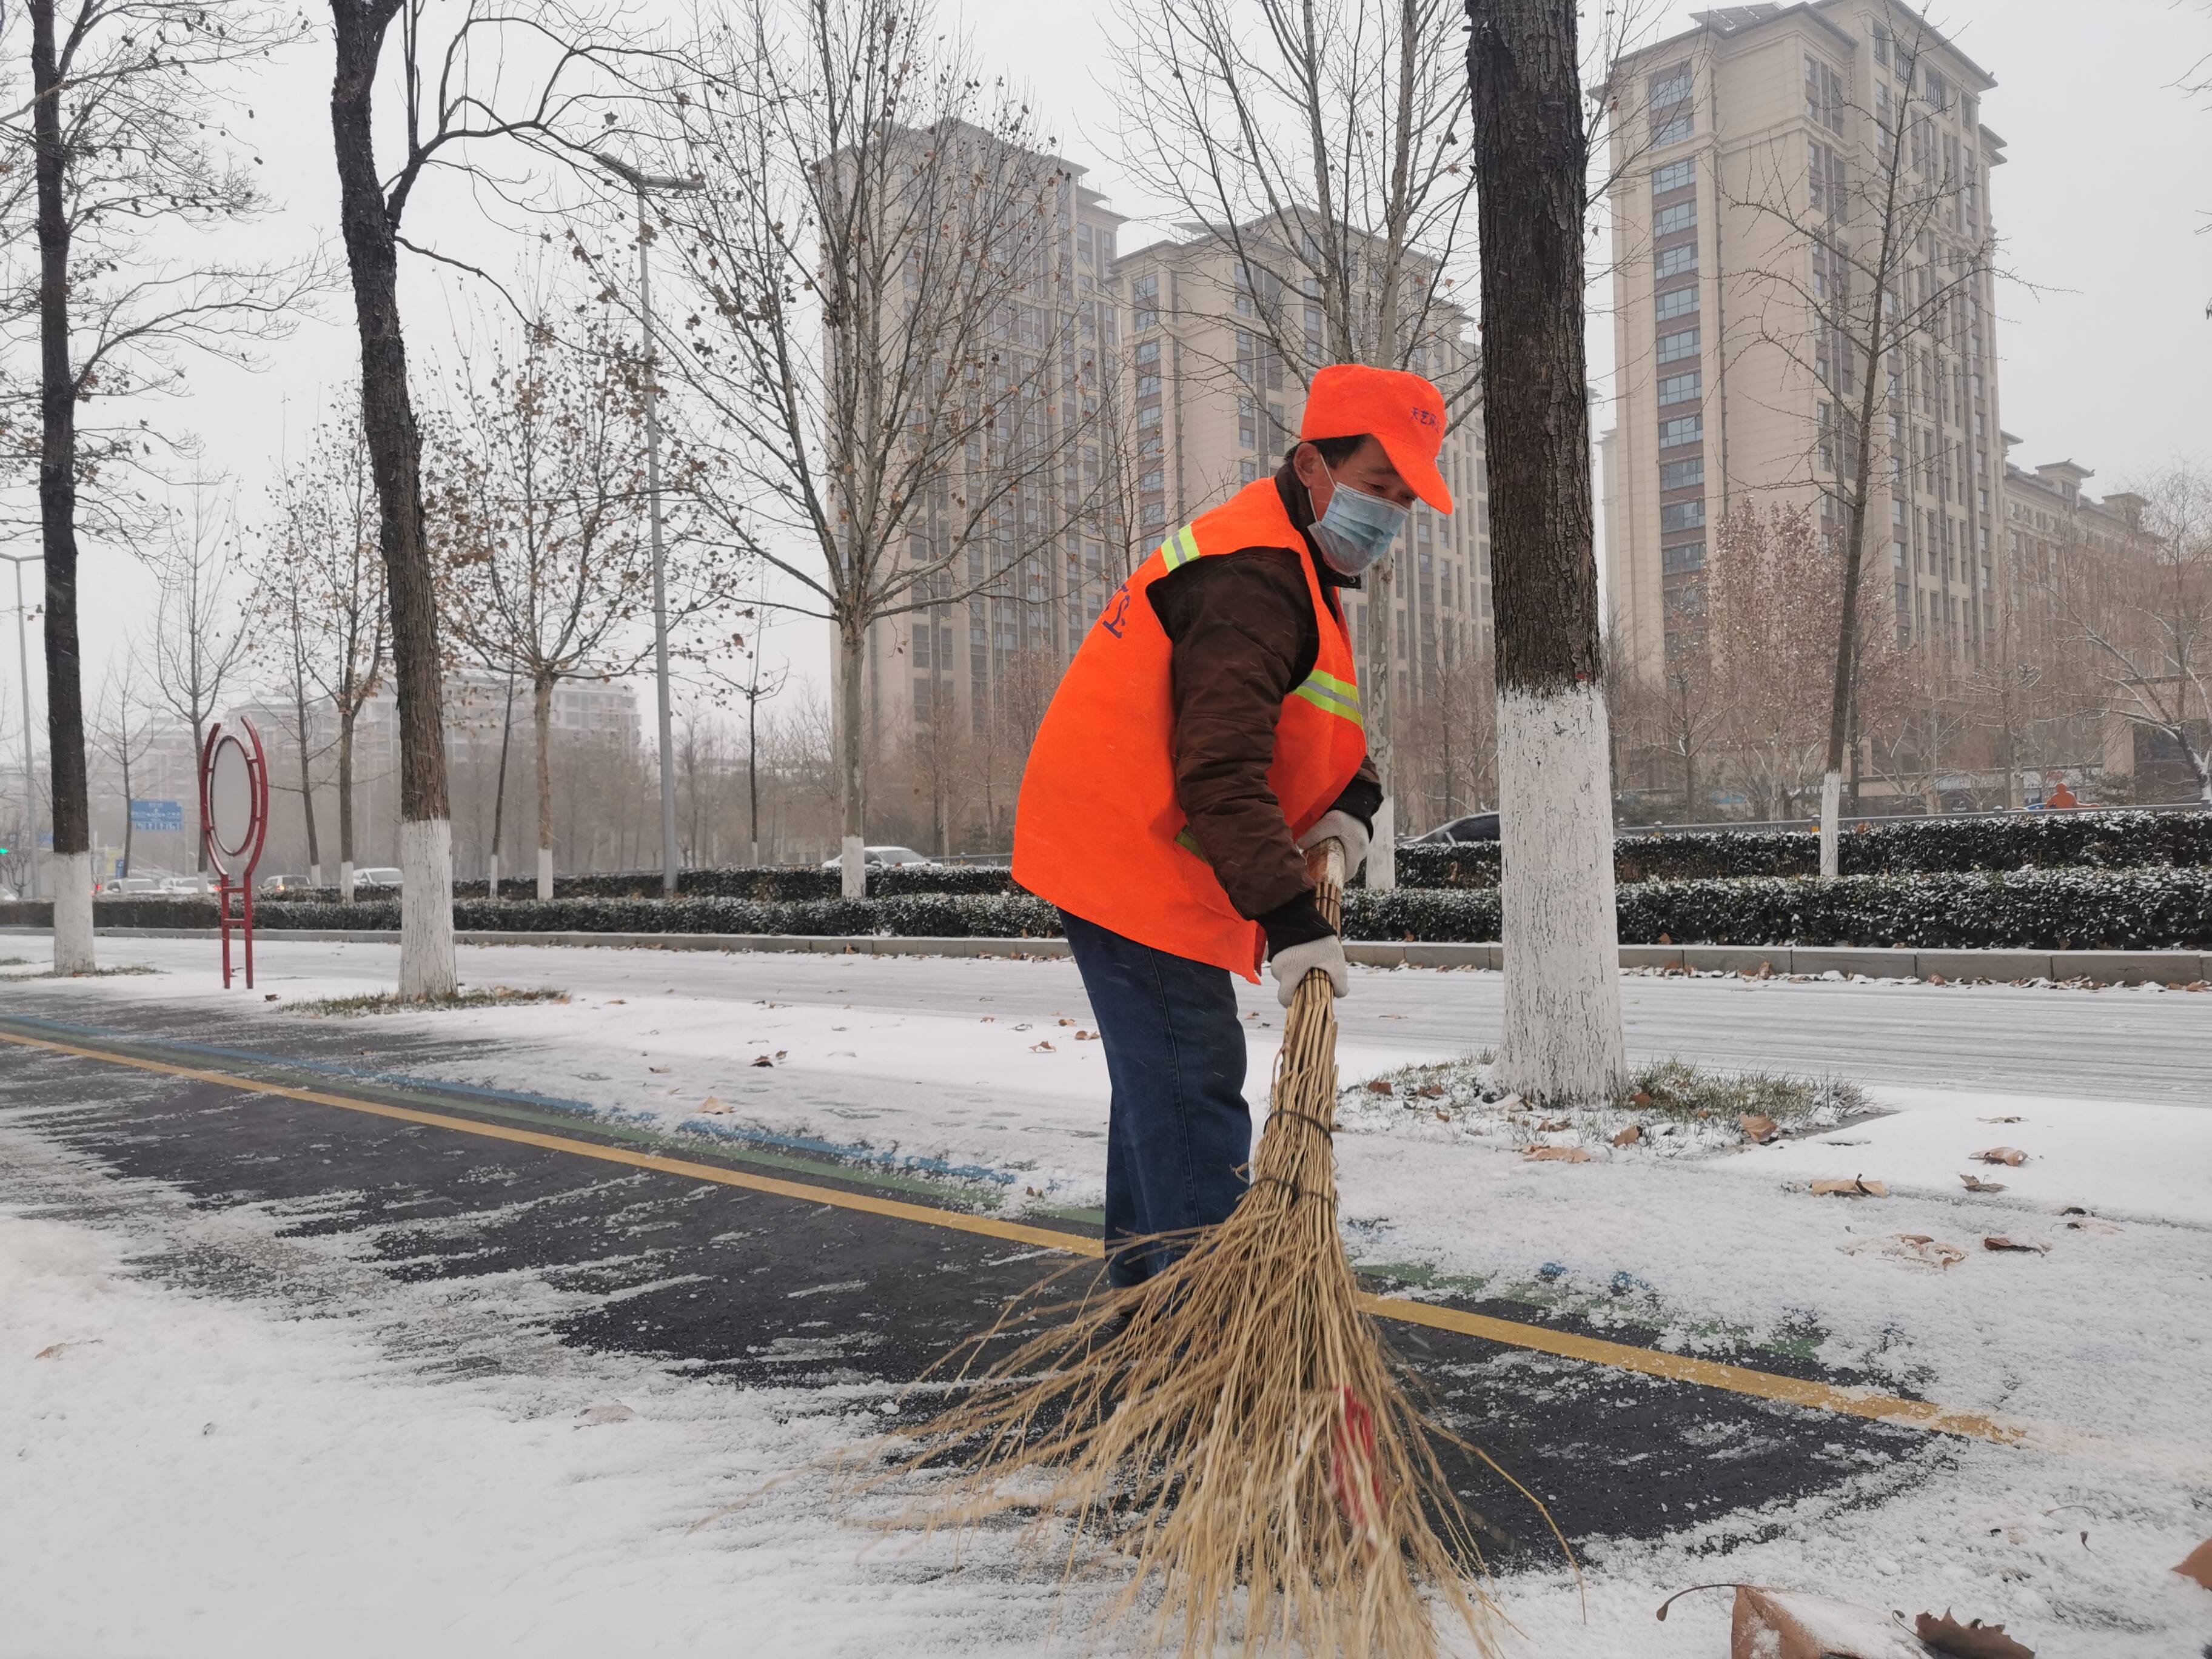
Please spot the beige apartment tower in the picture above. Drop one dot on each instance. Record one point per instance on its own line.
(1742, 153)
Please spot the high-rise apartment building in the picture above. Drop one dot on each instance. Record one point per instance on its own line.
(1747, 157)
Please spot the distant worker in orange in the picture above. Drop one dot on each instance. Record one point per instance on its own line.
(1207, 734)
(2062, 798)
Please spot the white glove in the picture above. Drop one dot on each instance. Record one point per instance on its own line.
(1343, 827)
(1290, 967)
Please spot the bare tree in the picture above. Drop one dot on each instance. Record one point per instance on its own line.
(1562, 1037)
(540, 486)
(535, 79)
(123, 726)
(1326, 145)
(323, 571)
(879, 274)
(125, 133)
(2137, 616)
(201, 629)
(1879, 232)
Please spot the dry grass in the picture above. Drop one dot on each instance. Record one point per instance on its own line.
(1233, 1433)
(390, 1002)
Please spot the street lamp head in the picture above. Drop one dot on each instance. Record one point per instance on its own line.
(643, 182)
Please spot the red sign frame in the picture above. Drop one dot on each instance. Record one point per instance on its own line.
(235, 883)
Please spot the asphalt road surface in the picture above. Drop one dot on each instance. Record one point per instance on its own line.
(754, 1289)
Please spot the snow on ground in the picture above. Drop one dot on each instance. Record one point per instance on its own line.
(2100, 1345)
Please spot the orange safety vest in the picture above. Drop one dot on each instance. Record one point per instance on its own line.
(1099, 832)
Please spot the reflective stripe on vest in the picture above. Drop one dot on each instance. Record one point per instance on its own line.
(1331, 695)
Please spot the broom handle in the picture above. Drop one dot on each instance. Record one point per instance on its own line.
(1325, 868)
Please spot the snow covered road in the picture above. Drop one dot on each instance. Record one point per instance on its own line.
(450, 1283)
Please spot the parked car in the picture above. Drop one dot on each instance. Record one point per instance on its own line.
(284, 884)
(882, 855)
(132, 884)
(1475, 826)
(183, 887)
(380, 875)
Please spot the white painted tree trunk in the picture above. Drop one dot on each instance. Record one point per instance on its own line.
(1563, 1035)
(71, 875)
(545, 872)
(345, 881)
(315, 874)
(1382, 848)
(425, 909)
(491, 876)
(855, 868)
(1832, 808)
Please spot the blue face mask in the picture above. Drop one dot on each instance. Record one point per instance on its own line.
(1358, 528)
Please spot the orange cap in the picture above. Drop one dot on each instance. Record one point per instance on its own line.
(1401, 412)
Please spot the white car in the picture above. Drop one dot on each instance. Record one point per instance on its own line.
(128, 885)
(382, 875)
(882, 855)
(183, 886)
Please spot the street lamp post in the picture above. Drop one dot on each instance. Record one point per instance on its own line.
(642, 183)
(30, 779)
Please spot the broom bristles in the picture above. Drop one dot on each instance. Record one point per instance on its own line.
(1243, 1430)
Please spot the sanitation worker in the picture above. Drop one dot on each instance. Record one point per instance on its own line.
(1205, 735)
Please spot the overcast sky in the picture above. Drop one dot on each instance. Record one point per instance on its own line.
(2104, 359)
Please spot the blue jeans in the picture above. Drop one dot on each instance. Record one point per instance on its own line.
(1179, 1132)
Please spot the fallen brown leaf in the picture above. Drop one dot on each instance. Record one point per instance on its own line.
(1999, 1241)
(762, 1060)
(1857, 1187)
(1380, 1086)
(1973, 1641)
(1976, 1184)
(1430, 1091)
(1937, 979)
(2004, 1120)
(714, 1103)
(1555, 1155)
(1758, 1128)
(2011, 1157)
(1069, 1021)
(616, 1002)
(2198, 1566)
(55, 1351)
(1042, 1048)
(1641, 1098)
(1629, 1136)
(1551, 1126)
(1086, 1037)
(1770, 1624)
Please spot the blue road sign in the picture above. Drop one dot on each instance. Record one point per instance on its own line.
(157, 815)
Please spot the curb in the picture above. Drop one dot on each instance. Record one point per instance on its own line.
(2102, 967)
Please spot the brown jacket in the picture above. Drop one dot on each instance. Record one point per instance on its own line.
(1243, 633)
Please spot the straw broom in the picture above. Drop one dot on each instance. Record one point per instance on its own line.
(1235, 1424)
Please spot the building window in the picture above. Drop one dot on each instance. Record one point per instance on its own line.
(1683, 429)
(1669, 97)
(1148, 357)
(1680, 560)
(1683, 216)
(1145, 301)
(1152, 482)
(1677, 303)
(1148, 386)
(1681, 388)
(1683, 515)
(1676, 175)
(1248, 471)
(1247, 425)
(1673, 129)
(1148, 415)
(1675, 260)
(1680, 475)
(1882, 45)
(1824, 94)
(1673, 348)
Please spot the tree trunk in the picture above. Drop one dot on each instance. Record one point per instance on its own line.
(127, 826)
(307, 779)
(542, 702)
(395, 447)
(849, 641)
(346, 719)
(71, 874)
(1562, 1037)
(752, 765)
(499, 794)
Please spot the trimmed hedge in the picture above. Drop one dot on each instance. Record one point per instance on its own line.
(2093, 840)
(764, 882)
(2141, 909)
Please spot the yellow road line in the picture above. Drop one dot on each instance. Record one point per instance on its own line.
(1620, 1356)
(929, 1215)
